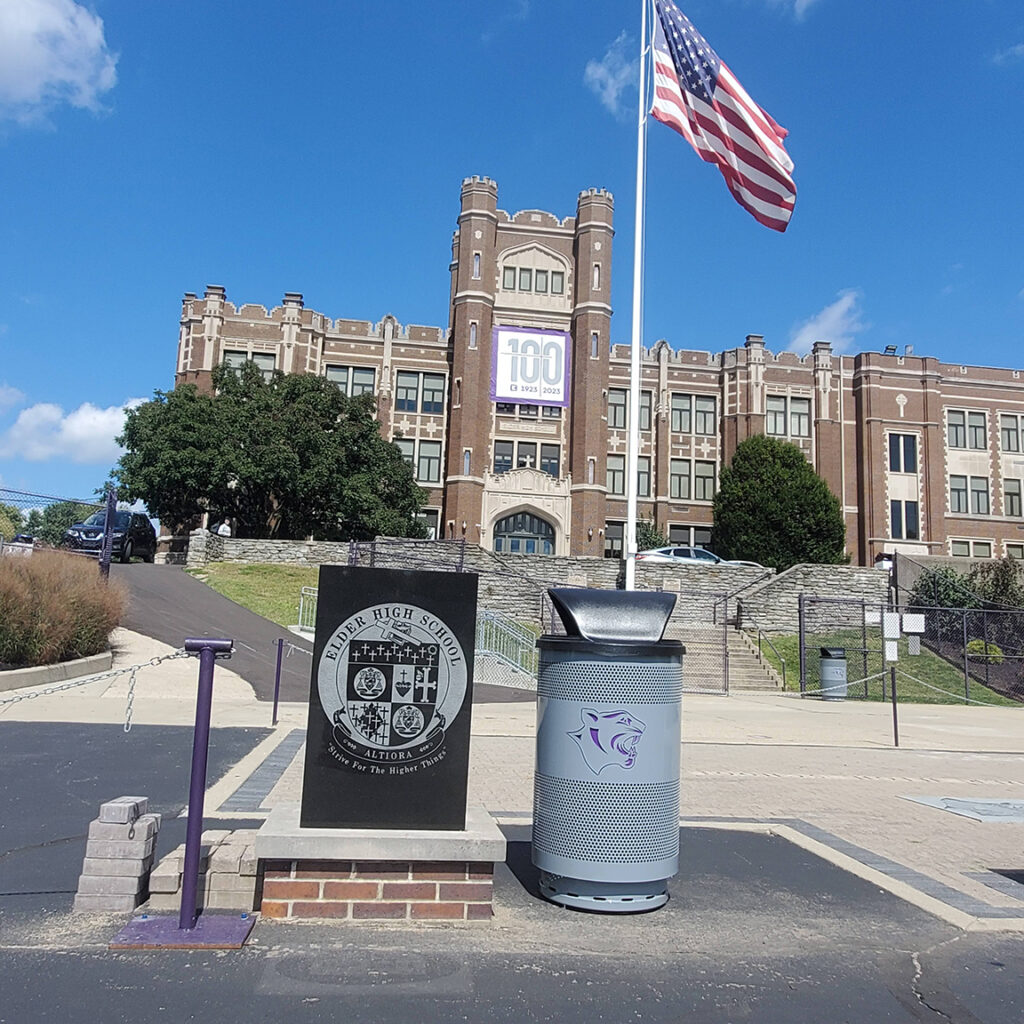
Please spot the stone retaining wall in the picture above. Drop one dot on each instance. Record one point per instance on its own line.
(515, 585)
(773, 605)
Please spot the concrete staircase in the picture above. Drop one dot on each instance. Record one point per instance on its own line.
(704, 653)
(745, 671)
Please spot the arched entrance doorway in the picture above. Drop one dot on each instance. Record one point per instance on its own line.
(524, 534)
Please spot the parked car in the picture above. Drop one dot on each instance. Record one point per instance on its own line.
(133, 535)
(688, 555)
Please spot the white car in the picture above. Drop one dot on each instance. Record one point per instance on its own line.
(693, 556)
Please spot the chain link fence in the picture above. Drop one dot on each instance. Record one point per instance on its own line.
(963, 654)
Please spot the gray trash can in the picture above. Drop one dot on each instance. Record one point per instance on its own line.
(833, 673)
(606, 785)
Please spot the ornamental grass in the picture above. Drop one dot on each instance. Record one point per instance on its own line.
(55, 607)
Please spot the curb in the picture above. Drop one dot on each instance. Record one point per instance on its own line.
(43, 675)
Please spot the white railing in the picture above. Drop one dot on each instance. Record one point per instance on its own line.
(506, 640)
(307, 609)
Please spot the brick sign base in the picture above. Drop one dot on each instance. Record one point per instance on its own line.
(377, 890)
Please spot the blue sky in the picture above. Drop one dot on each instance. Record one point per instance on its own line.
(150, 148)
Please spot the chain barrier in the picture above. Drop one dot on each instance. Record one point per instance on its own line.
(960, 698)
(292, 647)
(844, 687)
(131, 670)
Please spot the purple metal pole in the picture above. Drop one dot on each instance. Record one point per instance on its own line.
(208, 650)
(277, 679)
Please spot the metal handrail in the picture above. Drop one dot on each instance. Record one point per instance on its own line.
(496, 634)
(506, 640)
(307, 609)
(760, 657)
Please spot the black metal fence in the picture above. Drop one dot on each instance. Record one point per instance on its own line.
(962, 648)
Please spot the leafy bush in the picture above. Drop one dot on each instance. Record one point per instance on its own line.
(649, 536)
(942, 587)
(982, 651)
(55, 607)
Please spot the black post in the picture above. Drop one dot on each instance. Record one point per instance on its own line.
(208, 650)
(108, 533)
(277, 680)
(462, 555)
(984, 641)
(895, 719)
(967, 665)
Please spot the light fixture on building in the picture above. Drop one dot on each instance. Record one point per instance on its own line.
(590, 533)
(463, 525)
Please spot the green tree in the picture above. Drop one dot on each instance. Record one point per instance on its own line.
(1000, 582)
(51, 523)
(771, 507)
(649, 536)
(10, 520)
(284, 457)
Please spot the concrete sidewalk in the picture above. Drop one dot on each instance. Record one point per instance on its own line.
(824, 775)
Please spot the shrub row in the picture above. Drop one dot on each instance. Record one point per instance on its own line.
(55, 607)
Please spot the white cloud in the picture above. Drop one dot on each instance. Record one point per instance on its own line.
(615, 72)
(1009, 55)
(799, 7)
(838, 323)
(51, 52)
(9, 397)
(85, 435)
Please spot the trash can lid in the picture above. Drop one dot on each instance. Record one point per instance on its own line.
(613, 615)
(833, 652)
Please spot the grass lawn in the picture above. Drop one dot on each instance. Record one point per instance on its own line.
(912, 671)
(269, 590)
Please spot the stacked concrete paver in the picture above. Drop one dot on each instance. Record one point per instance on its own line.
(118, 856)
(227, 873)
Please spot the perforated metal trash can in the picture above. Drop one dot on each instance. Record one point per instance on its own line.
(606, 785)
(833, 673)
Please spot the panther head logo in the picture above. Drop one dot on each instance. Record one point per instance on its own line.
(609, 737)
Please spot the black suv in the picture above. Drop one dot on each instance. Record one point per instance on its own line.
(133, 535)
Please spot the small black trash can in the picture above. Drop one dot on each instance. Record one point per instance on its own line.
(606, 785)
(833, 673)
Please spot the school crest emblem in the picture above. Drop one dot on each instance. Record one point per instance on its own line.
(391, 679)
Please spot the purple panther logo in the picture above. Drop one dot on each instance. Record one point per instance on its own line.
(608, 737)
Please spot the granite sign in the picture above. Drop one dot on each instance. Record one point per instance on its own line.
(387, 744)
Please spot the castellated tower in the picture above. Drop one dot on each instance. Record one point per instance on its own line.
(527, 476)
(591, 330)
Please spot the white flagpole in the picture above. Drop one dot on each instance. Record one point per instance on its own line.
(633, 450)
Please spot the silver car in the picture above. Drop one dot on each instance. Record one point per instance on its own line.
(689, 555)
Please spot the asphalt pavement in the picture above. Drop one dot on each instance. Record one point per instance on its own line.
(57, 774)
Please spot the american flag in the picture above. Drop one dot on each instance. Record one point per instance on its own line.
(698, 96)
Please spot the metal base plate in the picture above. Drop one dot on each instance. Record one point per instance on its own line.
(211, 931)
(604, 897)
